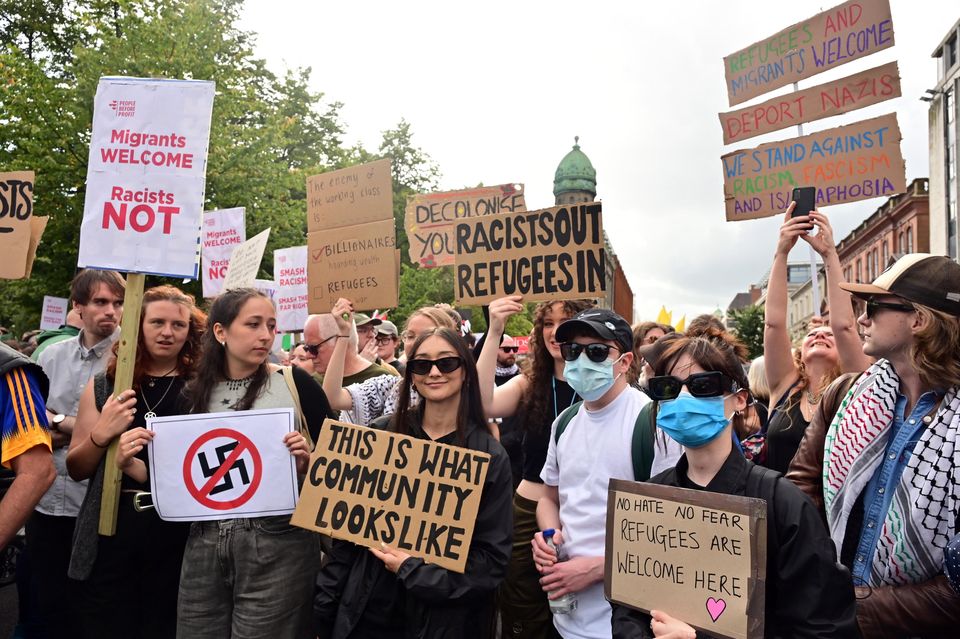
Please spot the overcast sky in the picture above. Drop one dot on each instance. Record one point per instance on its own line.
(495, 93)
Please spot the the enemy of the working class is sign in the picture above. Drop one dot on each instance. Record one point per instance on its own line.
(358, 262)
(145, 178)
(550, 254)
(20, 229)
(374, 487)
(290, 274)
(430, 218)
(846, 164)
(222, 465)
(223, 230)
(699, 557)
(845, 33)
(354, 195)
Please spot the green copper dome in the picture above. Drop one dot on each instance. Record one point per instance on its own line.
(575, 173)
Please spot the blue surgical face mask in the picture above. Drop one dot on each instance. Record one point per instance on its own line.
(590, 379)
(692, 421)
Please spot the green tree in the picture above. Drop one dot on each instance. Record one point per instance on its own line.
(748, 323)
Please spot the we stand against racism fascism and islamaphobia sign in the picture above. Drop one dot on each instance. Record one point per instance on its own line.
(699, 557)
(375, 487)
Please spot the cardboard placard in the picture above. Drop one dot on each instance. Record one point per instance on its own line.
(372, 486)
(846, 164)
(430, 218)
(54, 312)
(223, 230)
(146, 176)
(290, 273)
(550, 254)
(847, 32)
(700, 557)
(354, 195)
(20, 229)
(358, 262)
(245, 262)
(823, 101)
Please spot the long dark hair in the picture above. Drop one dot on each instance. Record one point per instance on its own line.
(189, 353)
(212, 366)
(470, 410)
(537, 402)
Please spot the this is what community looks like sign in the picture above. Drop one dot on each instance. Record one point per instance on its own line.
(145, 177)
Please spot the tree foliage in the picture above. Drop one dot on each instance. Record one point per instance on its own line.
(749, 328)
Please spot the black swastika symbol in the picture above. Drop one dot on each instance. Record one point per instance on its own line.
(227, 482)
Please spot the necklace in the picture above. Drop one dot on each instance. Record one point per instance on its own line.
(153, 379)
(813, 399)
(151, 413)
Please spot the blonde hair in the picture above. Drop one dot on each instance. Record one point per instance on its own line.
(757, 375)
(936, 348)
(439, 317)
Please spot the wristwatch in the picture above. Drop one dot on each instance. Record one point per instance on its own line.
(57, 420)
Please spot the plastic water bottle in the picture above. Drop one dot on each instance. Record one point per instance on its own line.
(568, 602)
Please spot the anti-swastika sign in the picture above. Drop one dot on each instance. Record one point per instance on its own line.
(222, 465)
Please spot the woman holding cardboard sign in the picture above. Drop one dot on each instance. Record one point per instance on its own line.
(702, 391)
(387, 593)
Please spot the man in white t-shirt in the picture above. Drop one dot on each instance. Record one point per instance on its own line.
(595, 446)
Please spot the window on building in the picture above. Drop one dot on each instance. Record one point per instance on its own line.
(950, 152)
(909, 239)
(859, 271)
(885, 254)
(950, 52)
(798, 273)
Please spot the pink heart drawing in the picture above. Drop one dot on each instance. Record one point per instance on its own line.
(715, 607)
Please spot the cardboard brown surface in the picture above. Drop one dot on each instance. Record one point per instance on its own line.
(822, 101)
(357, 262)
(430, 218)
(699, 557)
(847, 32)
(245, 262)
(417, 496)
(354, 195)
(550, 254)
(846, 164)
(20, 230)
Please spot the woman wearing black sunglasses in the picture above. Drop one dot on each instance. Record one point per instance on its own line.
(702, 390)
(388, 594)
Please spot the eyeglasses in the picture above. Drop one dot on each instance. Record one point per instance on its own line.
(424, 366)
(595, 352)
(313, 349)
(384, 339)
(712, 384)
(509, 349)
(873, 306)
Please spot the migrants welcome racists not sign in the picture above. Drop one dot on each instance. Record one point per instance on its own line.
(146, 176)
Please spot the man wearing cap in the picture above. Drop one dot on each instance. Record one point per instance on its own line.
(594, 446)
(882, 458)
(388, 338)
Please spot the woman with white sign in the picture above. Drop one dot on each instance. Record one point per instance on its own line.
(388, 594)
(141, 563)
(703, 392)
(249, 577)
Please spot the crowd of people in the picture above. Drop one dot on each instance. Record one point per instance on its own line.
(849, 434)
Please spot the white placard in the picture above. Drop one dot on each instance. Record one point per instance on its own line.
(146, 176)
(245, 262)
(223, 230)
(54, 314)
(290, 273)
(197, 473)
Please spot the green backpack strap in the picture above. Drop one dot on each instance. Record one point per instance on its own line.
(641, 448)
(564, 421)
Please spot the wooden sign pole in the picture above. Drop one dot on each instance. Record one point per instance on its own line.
(126, 355)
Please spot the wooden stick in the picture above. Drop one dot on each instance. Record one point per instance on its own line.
(126, 355)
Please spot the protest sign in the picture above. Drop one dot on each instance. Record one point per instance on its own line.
(222, 465)
(823, 101)
(372, 486)
(20, 229)
(54, 313)
(223, 230)
(358, 262)
(550, 254)
(146, 176)
(845, 164)
(290, 273)
(354, 195)
(245, 262)
(700, 557)
(430, 218)
(267, 287)
(852, 30)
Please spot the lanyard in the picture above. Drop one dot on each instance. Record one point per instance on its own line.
(556, 411)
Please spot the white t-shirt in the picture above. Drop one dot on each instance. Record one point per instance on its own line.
(595, 447)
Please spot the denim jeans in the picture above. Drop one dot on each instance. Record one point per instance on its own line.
(247, 579)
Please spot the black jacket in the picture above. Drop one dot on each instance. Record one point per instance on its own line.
(808, 594)
(432, 601)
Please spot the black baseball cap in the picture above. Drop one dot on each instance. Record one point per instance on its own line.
(601, 321)
(921, 278)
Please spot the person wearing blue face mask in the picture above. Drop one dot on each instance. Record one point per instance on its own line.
(594, 445)
(702, 391)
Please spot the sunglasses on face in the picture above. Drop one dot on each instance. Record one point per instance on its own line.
(313, 349)
(873, 306)
(595, 352)
(424, 366)
(509, 349)
(712, 384)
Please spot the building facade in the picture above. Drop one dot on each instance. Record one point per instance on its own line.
(944, 124)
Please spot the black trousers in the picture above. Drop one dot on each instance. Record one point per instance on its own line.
(51, 594)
